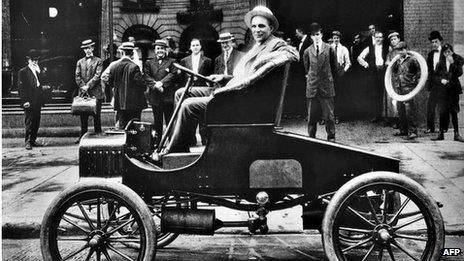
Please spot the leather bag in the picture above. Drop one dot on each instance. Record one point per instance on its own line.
(84, 104)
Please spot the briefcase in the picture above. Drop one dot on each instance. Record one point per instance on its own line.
(84, 104)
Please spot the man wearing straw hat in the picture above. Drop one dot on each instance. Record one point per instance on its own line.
(225, 63)
(159, 74)
(129, 86)
(88, 72)
(268, 53)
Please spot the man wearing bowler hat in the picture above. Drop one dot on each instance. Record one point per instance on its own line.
(160, 76)
(319, 61)
(88, 73)
(31, 89)
(268, 52)
(434, 57)
(129, 86)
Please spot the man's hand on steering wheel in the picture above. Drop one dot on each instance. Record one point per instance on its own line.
(216, 77)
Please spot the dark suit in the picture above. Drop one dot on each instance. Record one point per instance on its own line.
(205, 67)
(448, 94)
(320, 91)
(88, 72)
(161, 102)
(129, 86)
(220, 64)
(433, 88)
(30, 92)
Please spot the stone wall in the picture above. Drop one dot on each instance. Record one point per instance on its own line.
(6, 34)
(165, 21)
(423, 16)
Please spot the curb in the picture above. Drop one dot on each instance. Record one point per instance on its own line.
(32, 230)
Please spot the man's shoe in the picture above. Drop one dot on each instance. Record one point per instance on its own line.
(401, 133)
(458, 137)
(331, 139)
(427, 131)
(439, 137)
(28, 146)
(337, 121)
(37, 144)
(411, 136)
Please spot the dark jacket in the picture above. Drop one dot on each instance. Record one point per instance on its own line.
(89, 74)
(407, 74)
(161, 72)
(219, 65)
(319, 70)
(28, 89)
(432, 85)
(205, 68)
(306, 43)
(453, 87)
(128, 83)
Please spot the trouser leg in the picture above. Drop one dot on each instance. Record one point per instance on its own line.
(97, 117)
(158, 118)
(35, 124)
(454, 120)
(411, 115)
(314, 115)
(402, 115)
(431, 105)
(84, 124)
(191, 113)
(327, 107)
(28, 124)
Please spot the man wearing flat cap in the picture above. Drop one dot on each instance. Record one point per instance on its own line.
(407, 71)
(160, 77)
(129, 86)
(433, 58)
(87, 76)
(31, 91)
(343, 63)
(319, 61)
(268, 53)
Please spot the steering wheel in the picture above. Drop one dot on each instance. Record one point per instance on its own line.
(190, 72)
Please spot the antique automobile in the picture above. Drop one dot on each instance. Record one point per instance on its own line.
(363, 207)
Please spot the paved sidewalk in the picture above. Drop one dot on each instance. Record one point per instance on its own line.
(31, 179)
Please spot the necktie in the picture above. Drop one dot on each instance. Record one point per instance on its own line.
(317, 50)
(336, 53)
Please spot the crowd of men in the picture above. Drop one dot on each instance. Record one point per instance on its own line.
(321, 73)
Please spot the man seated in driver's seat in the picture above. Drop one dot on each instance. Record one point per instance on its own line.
(268, 52)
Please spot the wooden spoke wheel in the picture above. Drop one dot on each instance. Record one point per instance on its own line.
(382, 216)
(97, 220)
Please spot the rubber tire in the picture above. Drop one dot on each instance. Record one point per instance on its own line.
(167, 240)
(420, 85)
(360, 182)
(122, 191)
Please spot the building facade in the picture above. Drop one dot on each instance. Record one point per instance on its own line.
(56, 27)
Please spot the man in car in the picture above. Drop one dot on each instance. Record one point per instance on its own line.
(268, 52)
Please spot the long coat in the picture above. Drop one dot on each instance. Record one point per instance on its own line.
(127, 80)
(89, 73)
(28, 89)
(433, 85)
(205, 68)
(161, 72)
(319, 71)
(453, 87)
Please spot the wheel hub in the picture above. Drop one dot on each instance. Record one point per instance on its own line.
(97, 238)
(383, 233)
